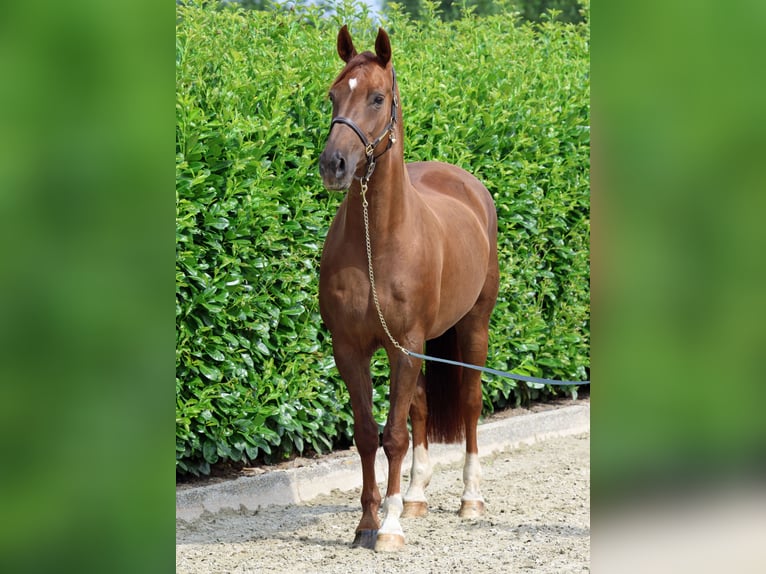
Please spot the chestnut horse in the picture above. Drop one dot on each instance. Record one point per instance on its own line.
(432, 281)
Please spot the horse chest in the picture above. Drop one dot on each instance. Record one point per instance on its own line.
(406, 295)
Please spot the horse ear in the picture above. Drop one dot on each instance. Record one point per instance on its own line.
(383, 46)
(346, 49)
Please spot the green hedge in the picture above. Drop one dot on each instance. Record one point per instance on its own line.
(509, 102)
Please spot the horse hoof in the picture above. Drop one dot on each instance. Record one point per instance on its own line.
(471, 509)
(414, 508)
(389, 542)
(364, 539)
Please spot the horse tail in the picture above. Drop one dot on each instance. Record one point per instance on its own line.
(445, 415)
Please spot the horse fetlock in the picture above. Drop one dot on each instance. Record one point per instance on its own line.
(392, 507)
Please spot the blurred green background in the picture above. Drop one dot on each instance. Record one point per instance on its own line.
(678, 198)
(86, 316)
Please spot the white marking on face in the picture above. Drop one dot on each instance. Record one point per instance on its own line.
(352, 84)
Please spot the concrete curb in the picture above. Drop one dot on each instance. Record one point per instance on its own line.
(296, 485)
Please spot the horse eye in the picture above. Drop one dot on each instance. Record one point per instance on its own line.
(379, 100)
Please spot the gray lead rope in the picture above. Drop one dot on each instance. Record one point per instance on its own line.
(505, 374)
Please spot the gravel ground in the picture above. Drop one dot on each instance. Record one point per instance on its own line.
(537, 520)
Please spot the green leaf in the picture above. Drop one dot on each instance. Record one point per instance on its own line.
(216, 355)
(211, 373)
(209, 452)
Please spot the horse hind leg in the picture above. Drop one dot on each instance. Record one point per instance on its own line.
(415, 503)
(472, 501)
(473, 340)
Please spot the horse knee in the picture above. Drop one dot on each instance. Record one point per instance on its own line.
(395, 442)
(366, 439)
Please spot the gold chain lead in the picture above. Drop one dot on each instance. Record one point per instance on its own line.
(394, 342)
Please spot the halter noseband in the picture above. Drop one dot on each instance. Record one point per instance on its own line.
(369, 146)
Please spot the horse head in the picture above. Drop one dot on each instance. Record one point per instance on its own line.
(365, 103)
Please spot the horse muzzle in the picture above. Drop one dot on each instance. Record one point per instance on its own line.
(337, 170)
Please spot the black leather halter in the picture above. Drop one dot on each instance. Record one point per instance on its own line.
(369, 146)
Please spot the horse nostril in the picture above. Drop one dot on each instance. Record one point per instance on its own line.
(339, 163)
(332, 166)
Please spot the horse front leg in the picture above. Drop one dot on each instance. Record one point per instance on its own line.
(354, 368)
(404, 376)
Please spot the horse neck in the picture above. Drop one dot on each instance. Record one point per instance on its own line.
(388, 195)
